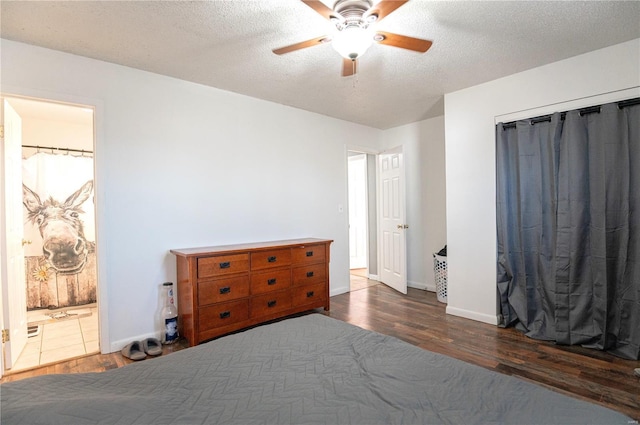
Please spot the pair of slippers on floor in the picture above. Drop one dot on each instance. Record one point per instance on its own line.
(138, 350)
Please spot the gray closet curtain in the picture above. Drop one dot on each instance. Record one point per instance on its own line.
(568, 220)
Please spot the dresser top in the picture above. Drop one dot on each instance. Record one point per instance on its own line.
(196, 252)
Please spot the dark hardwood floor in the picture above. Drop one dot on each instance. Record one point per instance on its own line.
(419, 319)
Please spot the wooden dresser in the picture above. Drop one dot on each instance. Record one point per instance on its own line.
(225, 288)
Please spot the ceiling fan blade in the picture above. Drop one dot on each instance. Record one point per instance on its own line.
(302, 45)
(383, 9)
(403, 41)
(349, 67)
(322, 9)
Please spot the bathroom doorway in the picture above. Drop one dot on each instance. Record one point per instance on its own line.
(56, 205)
(361, 184)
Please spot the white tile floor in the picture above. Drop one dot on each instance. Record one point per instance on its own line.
(60, 340)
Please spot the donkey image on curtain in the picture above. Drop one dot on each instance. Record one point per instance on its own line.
(63, 242)
(60, 261)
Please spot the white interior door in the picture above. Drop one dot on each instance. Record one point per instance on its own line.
(392, 241)
(357, 169)
(14, 297)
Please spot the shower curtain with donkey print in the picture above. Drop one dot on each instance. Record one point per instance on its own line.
(59, 216)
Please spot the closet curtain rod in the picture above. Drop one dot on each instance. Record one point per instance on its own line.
(52, 148)
(583, 111)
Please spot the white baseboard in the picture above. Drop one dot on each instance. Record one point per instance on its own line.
(424, 286)
(473, 315)
(337, 291)
(374, 277)
(417, 285)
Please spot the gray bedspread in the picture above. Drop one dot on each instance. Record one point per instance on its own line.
(310, 369)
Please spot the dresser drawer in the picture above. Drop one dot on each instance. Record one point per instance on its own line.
(270, 303)
(309, 294)
(308, 254)
(223, 314)
(220, 265)
(273, 258)
(221, 290)
(315, 273)
(271, 280)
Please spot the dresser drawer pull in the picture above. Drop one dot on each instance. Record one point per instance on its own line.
(225, 290)
(225, 265)
(309, 274)
(225, 314)
(271, 303)
(309, 294)
(309, 253)
(271, 281)
(271, 259)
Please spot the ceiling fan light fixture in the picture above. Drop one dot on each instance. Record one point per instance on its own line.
(352, 41)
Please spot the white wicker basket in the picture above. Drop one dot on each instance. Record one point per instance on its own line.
(440, 272)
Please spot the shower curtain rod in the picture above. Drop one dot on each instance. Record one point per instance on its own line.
(583, 111)
(52, 148)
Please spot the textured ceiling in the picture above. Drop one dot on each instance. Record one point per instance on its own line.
(227, 44)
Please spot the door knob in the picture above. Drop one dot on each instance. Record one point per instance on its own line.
(403, 226)
(25, 242)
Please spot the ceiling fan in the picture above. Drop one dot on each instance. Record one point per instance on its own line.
(354, 21)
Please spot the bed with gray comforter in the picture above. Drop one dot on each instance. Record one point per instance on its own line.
(305, 370)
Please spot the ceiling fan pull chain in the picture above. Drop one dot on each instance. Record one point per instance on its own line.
(353, 67)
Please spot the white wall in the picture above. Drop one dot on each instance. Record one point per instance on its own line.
(183, 165)
(588, 79)
(423, 147)
(61, 134)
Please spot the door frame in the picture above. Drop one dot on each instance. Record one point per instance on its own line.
(99, 148)
(368, 151)
(350, 158)
(378, 245)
